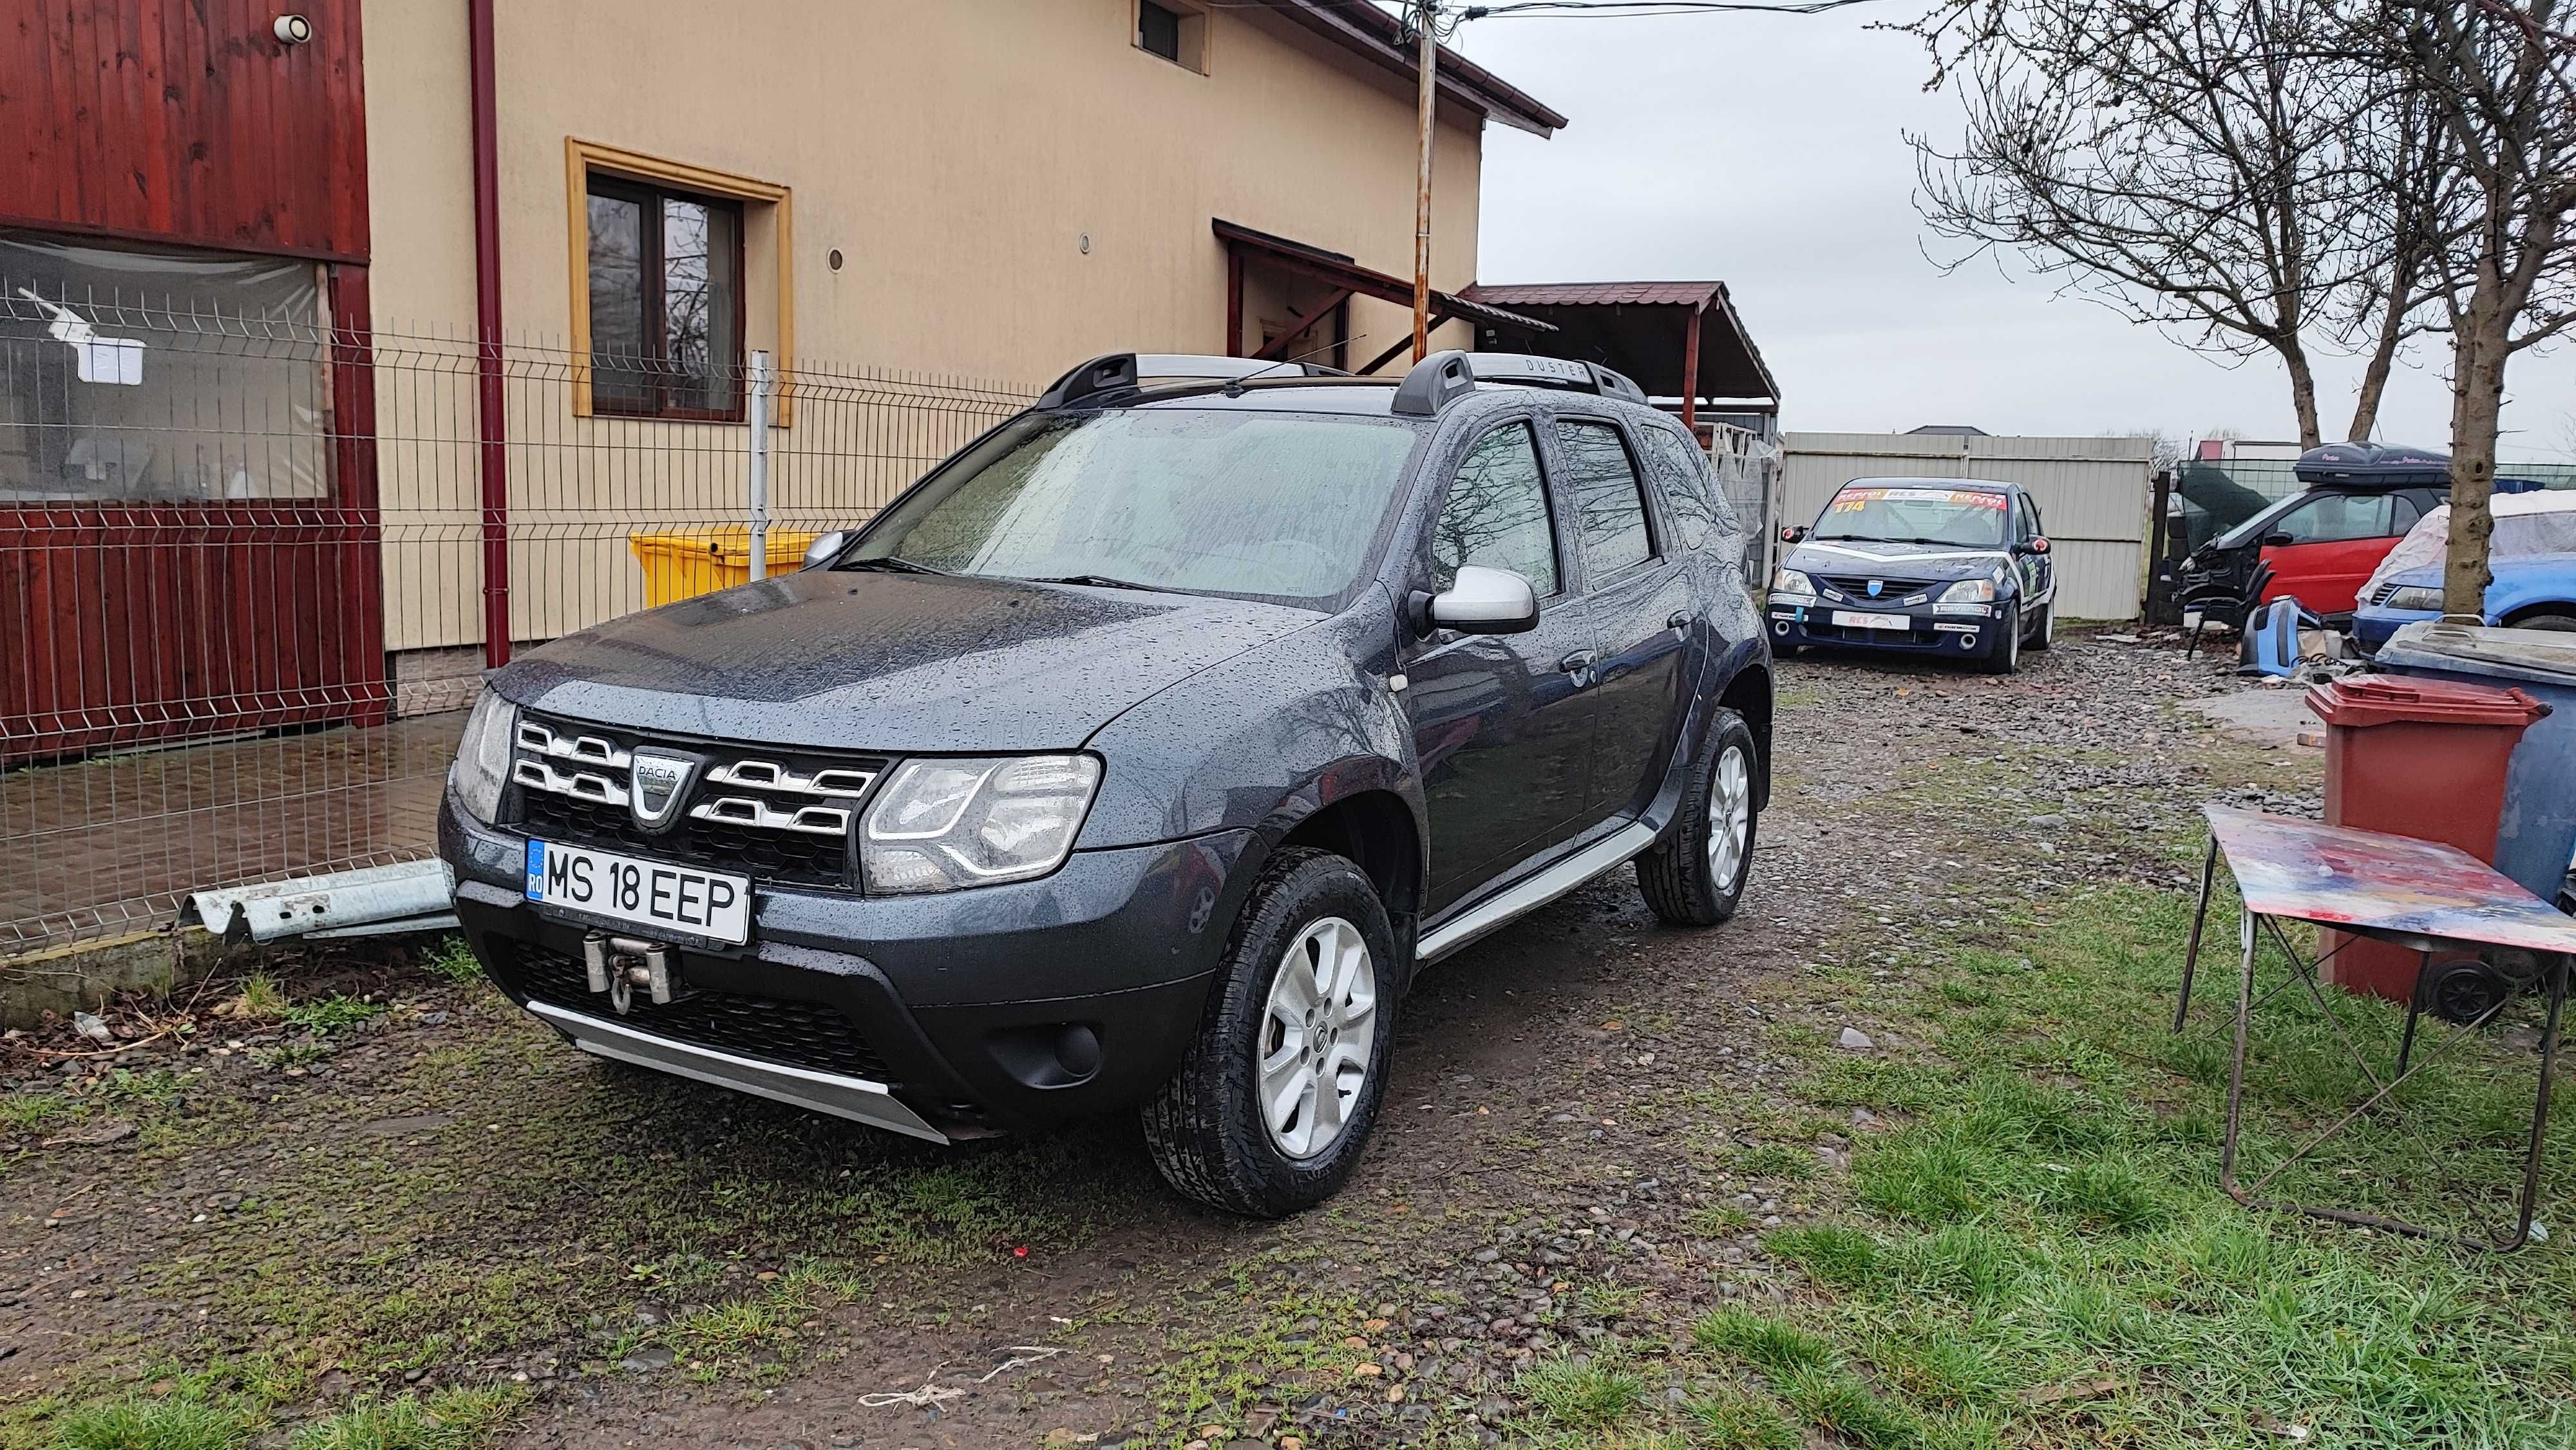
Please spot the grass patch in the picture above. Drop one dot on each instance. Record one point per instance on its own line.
(28, 1112)
(453, 961)
(327, 1015)
(1590, 1397)
(2038, 1253)
(153, 1425)
(1730, 1419)
(259, 1000)
(1774, 1160)
(449, 1419)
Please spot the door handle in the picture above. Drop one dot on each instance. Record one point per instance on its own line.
(1680, 620)
(1577, 664)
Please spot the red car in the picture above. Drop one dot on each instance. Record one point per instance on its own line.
(2322, 544)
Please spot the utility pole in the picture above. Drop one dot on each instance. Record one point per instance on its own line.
(1425, 12)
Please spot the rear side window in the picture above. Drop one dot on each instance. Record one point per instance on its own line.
(1496, 513)
(1682, 470)
(1610, 510)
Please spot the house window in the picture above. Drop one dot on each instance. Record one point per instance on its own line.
(666, 285)
(1176, 32)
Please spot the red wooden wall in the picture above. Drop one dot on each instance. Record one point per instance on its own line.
(188, 122)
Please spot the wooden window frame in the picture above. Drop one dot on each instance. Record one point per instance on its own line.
(648, 197)
(585, 159)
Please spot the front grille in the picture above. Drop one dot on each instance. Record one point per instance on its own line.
(771, 1029)
(1889, 590)
(783, 816)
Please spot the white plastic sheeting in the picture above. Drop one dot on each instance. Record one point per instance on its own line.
(2543, 522)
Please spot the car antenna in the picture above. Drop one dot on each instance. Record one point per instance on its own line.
(1234, 386)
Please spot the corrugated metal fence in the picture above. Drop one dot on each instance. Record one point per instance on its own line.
(2093, 495)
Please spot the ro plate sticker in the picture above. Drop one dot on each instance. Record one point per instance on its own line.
(536, 870)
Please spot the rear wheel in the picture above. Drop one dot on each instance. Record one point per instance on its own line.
(1695, 876)
(1273, 1103)
(2004, 655)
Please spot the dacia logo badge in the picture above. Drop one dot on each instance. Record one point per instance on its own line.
(661, 782)
(1875, 585)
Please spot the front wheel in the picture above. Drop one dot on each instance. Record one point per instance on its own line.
(2003, 656)
(2046, 634)
(1273, 1102)
(1695, 876)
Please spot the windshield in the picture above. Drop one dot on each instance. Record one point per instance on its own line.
(1281, 505)
(1966, 517)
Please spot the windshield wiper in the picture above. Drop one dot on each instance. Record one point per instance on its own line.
(1101, 581)
(889, 564)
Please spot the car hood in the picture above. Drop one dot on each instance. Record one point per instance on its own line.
(1864, 557)
(890, 662)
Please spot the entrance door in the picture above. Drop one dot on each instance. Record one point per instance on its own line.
(1502, 723)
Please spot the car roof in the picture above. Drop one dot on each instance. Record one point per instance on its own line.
(1358, 397)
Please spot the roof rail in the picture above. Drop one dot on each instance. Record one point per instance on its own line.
(1444, 377)
(1122, 372)
(1110, 373)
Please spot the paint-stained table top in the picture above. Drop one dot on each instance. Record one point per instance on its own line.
(2338, 876)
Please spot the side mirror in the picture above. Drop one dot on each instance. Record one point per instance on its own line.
(1793, 533)
(1482, 601)
(827, 548)
(2277, 541)
(2038, 545)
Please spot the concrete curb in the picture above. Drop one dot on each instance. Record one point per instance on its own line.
(85, 974)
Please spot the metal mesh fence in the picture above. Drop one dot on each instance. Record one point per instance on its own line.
(242, 581)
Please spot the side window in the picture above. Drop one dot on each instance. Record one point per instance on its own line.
(1610, 508)
(2339, 517)
(1683, 471)
(1496, 513)
(2029, 525)
(2404, 513)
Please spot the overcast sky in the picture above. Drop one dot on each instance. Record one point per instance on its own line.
(1768, 152)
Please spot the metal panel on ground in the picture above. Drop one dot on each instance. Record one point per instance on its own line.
(2092, 495)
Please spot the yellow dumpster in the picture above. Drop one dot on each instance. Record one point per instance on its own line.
(684, 566)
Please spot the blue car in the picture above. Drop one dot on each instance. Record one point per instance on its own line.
(1947, 567)
(2531, 591)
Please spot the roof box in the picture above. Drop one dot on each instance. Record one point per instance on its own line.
(2373, 465)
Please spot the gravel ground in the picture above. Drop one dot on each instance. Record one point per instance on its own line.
(1589, 1124)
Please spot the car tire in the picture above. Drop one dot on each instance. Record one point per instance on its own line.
(2046, 634)
(1208, 1130)
(2555, 623)
(1695, 876)
(2004, 655)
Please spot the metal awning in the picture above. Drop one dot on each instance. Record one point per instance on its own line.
(1348, 278)
(1677, 339)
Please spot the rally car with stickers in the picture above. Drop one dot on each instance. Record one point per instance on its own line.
(1955, 567)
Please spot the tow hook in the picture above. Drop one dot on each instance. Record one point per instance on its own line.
(620, 964)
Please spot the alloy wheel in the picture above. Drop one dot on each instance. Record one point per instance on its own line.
(1730, 815)
(1318, 1037)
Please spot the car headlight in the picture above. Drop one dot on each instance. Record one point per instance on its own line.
(2414, 596)
(944, 824)
(1968, 591)
(483, 756)
(1790, 581)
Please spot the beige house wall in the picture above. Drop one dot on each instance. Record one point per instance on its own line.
(956, 154)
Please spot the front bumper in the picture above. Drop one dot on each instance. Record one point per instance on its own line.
(942, 1016)
(1963, 636)
(2372, 625)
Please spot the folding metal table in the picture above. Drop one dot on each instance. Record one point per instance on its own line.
(2417, 894)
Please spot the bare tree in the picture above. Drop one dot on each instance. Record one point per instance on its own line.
(2210, 167)
(2498, 80)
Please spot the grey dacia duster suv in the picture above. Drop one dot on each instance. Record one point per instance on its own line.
(1138, 754)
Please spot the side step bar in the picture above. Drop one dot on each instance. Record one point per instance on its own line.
(1534, 892)
(855, 1098)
